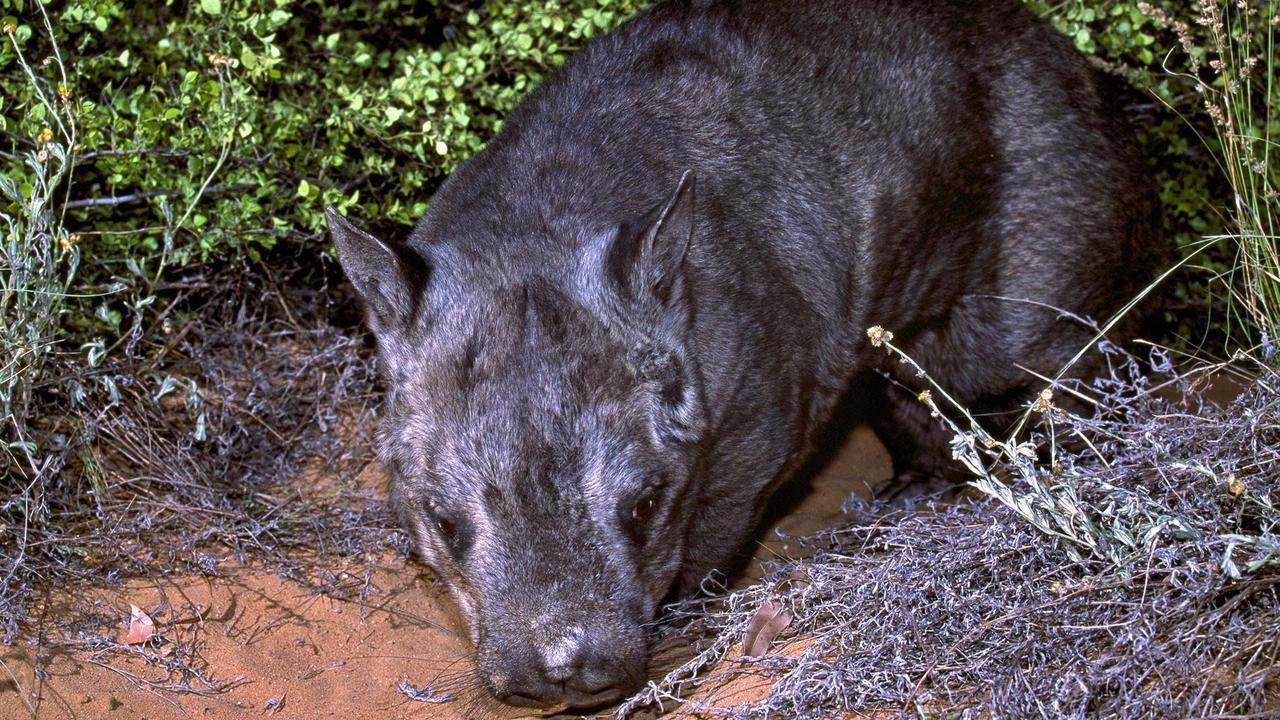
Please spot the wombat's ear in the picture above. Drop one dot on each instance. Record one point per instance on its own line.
(376, 270)
(648, 252)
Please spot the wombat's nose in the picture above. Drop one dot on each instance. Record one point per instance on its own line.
(571, 671)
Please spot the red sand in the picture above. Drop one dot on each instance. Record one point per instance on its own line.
(289, 653)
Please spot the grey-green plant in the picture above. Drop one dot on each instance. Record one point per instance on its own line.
(1023, 474)
(38, 257)
(1239, 91)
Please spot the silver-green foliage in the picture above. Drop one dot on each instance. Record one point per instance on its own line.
(38, 259)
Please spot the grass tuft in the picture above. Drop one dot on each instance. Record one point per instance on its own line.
(1233, 70)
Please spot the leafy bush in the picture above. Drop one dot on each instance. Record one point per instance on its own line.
(218, 130)
(215, 130)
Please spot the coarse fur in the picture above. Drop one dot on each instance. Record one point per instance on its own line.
(618, 328)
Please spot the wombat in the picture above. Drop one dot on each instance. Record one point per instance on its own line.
(618, 328)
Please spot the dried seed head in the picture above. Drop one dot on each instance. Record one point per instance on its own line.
(1044, 403)
(879, 336)
(1235, 485)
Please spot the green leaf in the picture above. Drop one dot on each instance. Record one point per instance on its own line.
(1083, 40)
(212, 7)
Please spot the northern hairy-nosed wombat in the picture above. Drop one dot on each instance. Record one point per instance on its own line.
(618, 328)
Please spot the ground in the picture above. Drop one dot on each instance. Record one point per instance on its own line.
(273, 647)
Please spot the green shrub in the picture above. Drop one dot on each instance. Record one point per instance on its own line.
(219, 129)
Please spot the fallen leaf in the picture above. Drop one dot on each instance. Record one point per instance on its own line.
(799, 580)
(141, 627)
(772, 618)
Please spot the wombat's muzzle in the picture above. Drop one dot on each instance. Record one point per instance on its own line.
(576, 670)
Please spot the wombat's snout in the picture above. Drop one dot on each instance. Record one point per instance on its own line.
(575, 670)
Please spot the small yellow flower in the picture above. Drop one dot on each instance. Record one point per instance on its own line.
(65, 92)
(69, 241)
(10, 28)
(45, 136)
(923, 396)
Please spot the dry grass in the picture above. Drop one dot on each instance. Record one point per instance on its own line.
(189, 446)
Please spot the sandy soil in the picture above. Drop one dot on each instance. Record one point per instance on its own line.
(264, 646)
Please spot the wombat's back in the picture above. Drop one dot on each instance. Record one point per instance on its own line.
(870, 161)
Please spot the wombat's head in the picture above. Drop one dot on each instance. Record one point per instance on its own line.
(539, 430)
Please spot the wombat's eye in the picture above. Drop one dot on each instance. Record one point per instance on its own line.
(446, 527)
(635, 514)
(643, 510)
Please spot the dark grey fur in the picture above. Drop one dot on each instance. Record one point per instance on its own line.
(618, 328)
